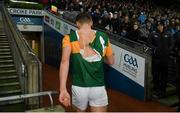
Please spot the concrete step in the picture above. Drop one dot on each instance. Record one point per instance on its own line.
(10, 93)
(5, 50)
(2, 33)
(9, 88)
(169, 101)
(11, 102)
(6, 65)
(13, 106)
(170, 90)
(7, 81)
(5, 53)
(4, 46)
(5, 56)
(8, 77)
(7, 69)
(3, 41)
(9, 84)
(3, 36)
(6, 61)
(7, 72)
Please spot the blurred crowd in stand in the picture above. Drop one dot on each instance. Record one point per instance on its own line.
(132, 19)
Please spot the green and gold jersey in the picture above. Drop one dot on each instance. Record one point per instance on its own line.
(84, 73)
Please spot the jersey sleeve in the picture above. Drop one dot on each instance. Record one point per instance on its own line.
(108, 50)
(66, 41)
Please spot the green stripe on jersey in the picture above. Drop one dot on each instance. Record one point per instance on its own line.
(84, 73)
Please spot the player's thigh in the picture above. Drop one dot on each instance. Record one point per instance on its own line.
(98, 99)
(79, 98)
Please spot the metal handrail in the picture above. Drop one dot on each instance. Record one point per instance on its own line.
(24, 96)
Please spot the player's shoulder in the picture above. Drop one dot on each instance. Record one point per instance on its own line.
(73, 36)
(103, 35)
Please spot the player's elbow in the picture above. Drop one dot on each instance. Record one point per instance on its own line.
(111, 62)
(64, 62)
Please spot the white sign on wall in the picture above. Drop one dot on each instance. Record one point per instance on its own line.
(31, 12)
(31, 28)
(129, 64)
(58, 25)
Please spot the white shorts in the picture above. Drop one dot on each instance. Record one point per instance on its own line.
(93, 96)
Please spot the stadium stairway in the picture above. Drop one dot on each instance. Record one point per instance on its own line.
(9, 80)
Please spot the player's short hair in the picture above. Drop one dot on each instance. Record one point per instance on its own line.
(84, 18)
